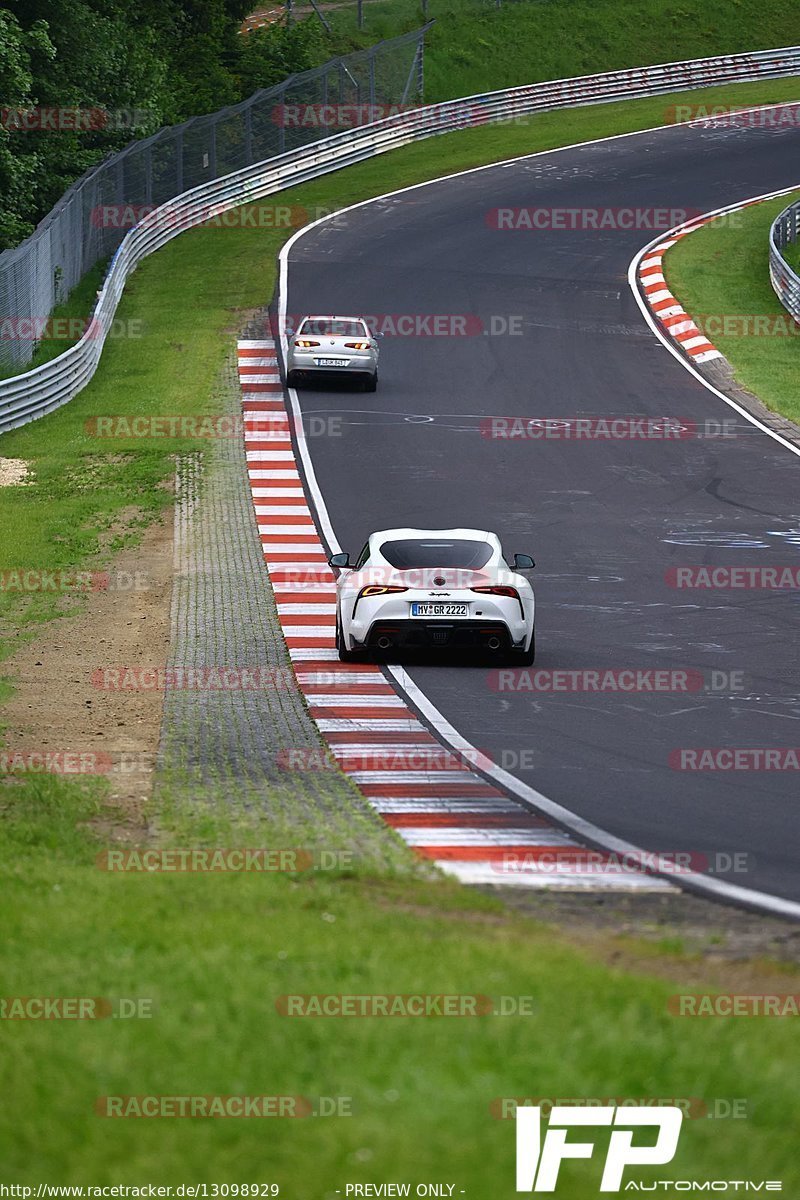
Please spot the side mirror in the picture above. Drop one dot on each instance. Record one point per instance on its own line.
(523, 562)
(339, 560)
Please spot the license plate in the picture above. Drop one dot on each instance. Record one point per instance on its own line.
(419, 609)
(331, 362)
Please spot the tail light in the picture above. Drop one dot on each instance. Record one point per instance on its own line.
(304, 344)
(375, 590)
(356, 345)
(499, 589)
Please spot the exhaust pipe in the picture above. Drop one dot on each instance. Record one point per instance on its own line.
(385, 642)
(494, 643)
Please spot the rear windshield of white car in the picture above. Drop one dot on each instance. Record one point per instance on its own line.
(322, 327)
(439, 552)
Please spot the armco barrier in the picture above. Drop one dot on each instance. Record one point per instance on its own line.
(26, 397)
(785, 282)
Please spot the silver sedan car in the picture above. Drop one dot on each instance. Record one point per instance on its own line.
(327, 346)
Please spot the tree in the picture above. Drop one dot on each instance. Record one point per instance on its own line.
(18, 51)
(130, 71)
(273, 52)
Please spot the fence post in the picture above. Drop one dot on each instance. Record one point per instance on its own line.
(320, 14)
(372, 80)
(120, 173)
(288, 12)
(148, 175)
(361, 13)
(179, 162)
(248, 135)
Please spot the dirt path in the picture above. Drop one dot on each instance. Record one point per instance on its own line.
(62, 704)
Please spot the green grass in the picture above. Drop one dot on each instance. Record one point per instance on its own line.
(474, 47)
(723, 270)
(214, 952)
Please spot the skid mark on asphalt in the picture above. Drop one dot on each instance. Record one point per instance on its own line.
(437, 802)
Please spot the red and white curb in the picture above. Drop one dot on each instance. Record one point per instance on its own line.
(671, 314)
(438, 804)
(668, 311)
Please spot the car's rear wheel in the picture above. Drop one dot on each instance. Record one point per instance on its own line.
(345, 655)
(371, 383)
(525, 658)
(291, 379)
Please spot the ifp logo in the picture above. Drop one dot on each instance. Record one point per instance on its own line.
(539, 1160)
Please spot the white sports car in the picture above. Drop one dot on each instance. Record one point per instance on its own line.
(418, 588)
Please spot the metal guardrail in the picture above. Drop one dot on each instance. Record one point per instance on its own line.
(37, 392)
(785, 282)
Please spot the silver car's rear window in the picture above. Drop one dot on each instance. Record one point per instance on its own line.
(437, 552)
(326, 328)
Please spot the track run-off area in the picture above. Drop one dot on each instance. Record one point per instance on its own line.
(533, 319)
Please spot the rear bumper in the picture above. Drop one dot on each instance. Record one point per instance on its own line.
(357, 364)
(365, 371)
(438, 634)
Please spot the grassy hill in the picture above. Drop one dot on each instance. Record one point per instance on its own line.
(475, 46)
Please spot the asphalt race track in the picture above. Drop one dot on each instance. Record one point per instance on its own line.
(604, 520)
